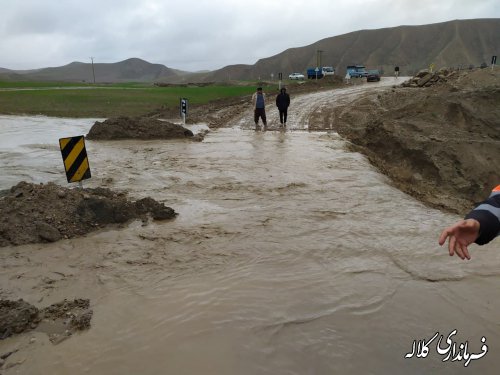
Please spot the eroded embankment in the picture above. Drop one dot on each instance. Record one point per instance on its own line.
(438, 143)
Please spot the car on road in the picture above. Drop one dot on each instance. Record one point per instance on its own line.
(296, 76)
(356, 71)
(373, 76)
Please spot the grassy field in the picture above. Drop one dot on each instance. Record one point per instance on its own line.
(87, 100)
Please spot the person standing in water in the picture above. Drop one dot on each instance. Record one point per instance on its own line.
(259, 107)
(283, 102)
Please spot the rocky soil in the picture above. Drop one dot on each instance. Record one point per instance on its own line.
(67, 317)
(47, 212)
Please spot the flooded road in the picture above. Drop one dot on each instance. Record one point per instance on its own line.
(290, 255)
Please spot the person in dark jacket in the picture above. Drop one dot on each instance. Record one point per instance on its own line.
(259, 107)
(283, 102)
(481, 226)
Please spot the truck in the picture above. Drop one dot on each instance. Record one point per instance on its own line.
(320, 72)
(357, 71)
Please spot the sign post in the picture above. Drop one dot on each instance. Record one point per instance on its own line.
(183, 109)
(280, 77)
(493, 61)
(316, 70)
(76, 163)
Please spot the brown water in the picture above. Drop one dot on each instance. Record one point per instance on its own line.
(290, 255)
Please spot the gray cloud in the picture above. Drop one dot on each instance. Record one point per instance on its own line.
(203, 34)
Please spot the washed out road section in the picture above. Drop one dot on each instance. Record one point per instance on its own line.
(290, 254)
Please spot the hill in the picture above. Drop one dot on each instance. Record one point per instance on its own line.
(130, 70)
(452, 44)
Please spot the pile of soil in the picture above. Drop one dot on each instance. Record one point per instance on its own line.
(69, 316)
(424, 78)
(439, 142)
(47, 213)
(137, 128)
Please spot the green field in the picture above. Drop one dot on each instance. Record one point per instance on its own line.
(87, 100)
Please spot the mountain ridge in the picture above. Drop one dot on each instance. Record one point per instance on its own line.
(129, 70)
(411, 47)
(451, 43)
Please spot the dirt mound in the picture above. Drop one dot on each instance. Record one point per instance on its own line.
(64, 318)
(424, 78)
(137, 128)
(439, 143)
(17, 317)
(459, 79)
(47, 213)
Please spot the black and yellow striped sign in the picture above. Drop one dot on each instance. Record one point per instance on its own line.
(75, 158)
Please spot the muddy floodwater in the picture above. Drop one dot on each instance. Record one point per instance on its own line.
(290, 255)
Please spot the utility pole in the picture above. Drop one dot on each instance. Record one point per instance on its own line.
(318, 57)
(93, 72)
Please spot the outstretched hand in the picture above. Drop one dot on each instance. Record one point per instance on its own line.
(460, 235)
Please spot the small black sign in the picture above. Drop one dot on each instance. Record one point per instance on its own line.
(493, 60)
(184, 106)
(280, 76)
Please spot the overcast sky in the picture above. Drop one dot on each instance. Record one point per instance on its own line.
(199, 34)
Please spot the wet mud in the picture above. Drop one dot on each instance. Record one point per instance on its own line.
(34, 213)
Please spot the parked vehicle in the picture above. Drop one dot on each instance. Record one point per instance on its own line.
(357, 71)
(373, 76)
(296, 76)
(320, 72)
